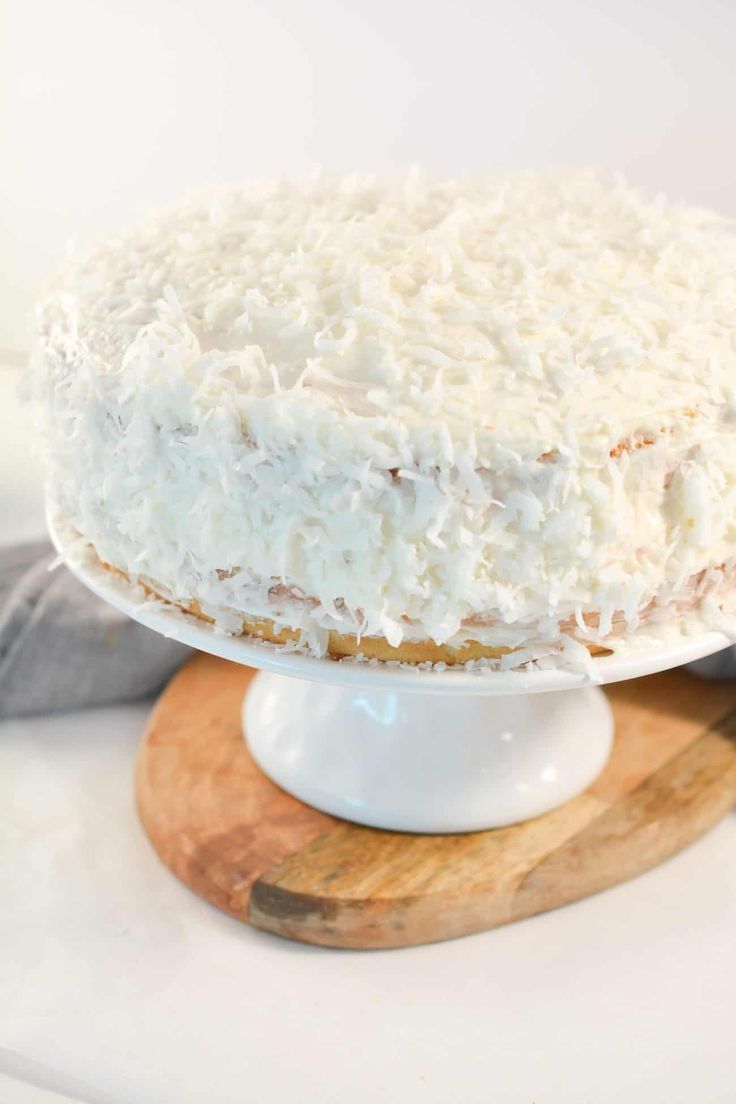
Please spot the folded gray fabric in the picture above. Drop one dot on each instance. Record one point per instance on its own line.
(63, 648)
(720, 665)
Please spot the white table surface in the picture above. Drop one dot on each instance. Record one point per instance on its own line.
(120, 987)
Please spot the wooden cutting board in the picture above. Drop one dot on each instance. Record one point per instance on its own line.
(252, 850)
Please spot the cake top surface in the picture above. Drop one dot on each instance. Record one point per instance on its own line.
(538, 310)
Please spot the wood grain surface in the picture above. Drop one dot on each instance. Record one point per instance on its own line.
(252, 850)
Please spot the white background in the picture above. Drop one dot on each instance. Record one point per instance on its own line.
(111, 973)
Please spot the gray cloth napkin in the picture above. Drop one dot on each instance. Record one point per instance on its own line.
(63, 648)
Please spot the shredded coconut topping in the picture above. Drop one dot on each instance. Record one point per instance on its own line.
(456, 409)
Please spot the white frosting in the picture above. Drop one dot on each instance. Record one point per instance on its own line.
(416, 403)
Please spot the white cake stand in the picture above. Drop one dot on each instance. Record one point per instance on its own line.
(406, 749)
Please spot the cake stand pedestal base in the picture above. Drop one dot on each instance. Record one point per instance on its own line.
(424, 762)
(256, 852)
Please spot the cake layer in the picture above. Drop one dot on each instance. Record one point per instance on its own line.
(407, 405)
(477, 642)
